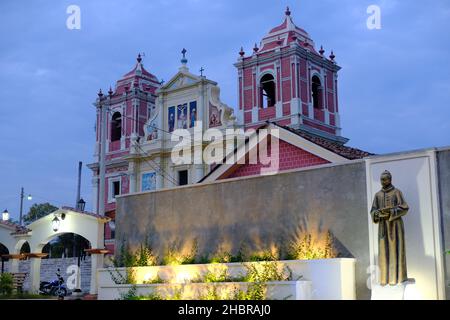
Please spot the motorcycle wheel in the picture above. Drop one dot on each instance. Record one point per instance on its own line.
(59, 292)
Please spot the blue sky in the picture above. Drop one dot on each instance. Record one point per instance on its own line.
(394, 86)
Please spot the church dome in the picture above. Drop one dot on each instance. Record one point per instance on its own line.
(285, 34)
(137, 77)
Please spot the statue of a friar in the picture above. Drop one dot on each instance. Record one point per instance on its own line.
(387, 210)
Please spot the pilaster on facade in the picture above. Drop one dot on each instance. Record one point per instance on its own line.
(255, 114)
(279, 109)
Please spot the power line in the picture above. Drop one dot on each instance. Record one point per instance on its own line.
(153, 126)
(161, 170)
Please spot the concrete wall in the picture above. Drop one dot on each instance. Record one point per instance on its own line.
(49, 267)
(443, 158)
(258, 211)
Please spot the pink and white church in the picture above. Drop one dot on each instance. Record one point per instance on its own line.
(285, 83)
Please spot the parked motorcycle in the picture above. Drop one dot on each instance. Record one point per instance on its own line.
(55, 287)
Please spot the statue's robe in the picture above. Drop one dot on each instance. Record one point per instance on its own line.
(391, 235)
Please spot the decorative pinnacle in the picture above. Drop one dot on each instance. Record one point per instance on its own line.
(305, 42)
(242, 53)
(332, 56)
(139, 59)
(184, 60)
(321, 51)
(100, 93)
(110, 92)
(255, 48)
(287, 12)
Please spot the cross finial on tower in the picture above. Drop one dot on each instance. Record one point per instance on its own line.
(201, 71)
(288, 12)
(184, 60)
(242, 53)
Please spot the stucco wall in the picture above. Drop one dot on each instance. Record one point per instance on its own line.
(50, 266)
(444, 194)
(259, 211)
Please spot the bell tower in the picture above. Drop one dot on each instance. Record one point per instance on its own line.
(285, 80)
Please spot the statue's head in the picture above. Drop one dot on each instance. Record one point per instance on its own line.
(386, 179)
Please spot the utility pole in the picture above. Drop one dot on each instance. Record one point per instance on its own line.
(77, 205)
(21, 205)
(102, 165)
(80, 164)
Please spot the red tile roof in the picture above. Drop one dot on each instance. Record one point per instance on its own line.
(333, 146)
(336, 147)
(86, 213)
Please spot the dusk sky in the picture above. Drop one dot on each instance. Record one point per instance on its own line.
(394, 86)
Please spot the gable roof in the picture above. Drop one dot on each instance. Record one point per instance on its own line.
(331, 151)
(183, 78)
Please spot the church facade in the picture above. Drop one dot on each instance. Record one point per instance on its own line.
(284, 86)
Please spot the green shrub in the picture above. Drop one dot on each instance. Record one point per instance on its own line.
(266, 255)
(174, 256)
(155, 280)
(306, 249)
(6, 284)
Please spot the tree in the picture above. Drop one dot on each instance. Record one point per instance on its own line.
(38, 211)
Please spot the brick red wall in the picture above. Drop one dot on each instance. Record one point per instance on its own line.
(291, 157)
(267, 113)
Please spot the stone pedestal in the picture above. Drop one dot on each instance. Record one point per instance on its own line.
(402, 291)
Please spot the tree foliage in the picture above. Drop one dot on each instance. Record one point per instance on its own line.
(39, 210)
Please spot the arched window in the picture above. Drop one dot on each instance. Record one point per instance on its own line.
(116, 126)
(316, 88)
(267, 85)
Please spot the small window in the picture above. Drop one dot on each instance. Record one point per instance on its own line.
(116, 189)
(267, 94)
(316, 92)
(182, 177)
(116, 126)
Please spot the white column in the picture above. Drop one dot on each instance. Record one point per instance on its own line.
(96, 262)
(95, 198)
(132, 175)
(13, 265)
(201, 108)
(35, 274)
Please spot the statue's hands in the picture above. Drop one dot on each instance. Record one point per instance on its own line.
(384, 213)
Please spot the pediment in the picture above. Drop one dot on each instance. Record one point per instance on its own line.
(180, 80)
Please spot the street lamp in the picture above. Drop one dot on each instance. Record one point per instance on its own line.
(81, 204)
(5, 215)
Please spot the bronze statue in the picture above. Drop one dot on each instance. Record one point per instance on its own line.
(387, 209)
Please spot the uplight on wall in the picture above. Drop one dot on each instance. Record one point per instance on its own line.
(56, 222)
